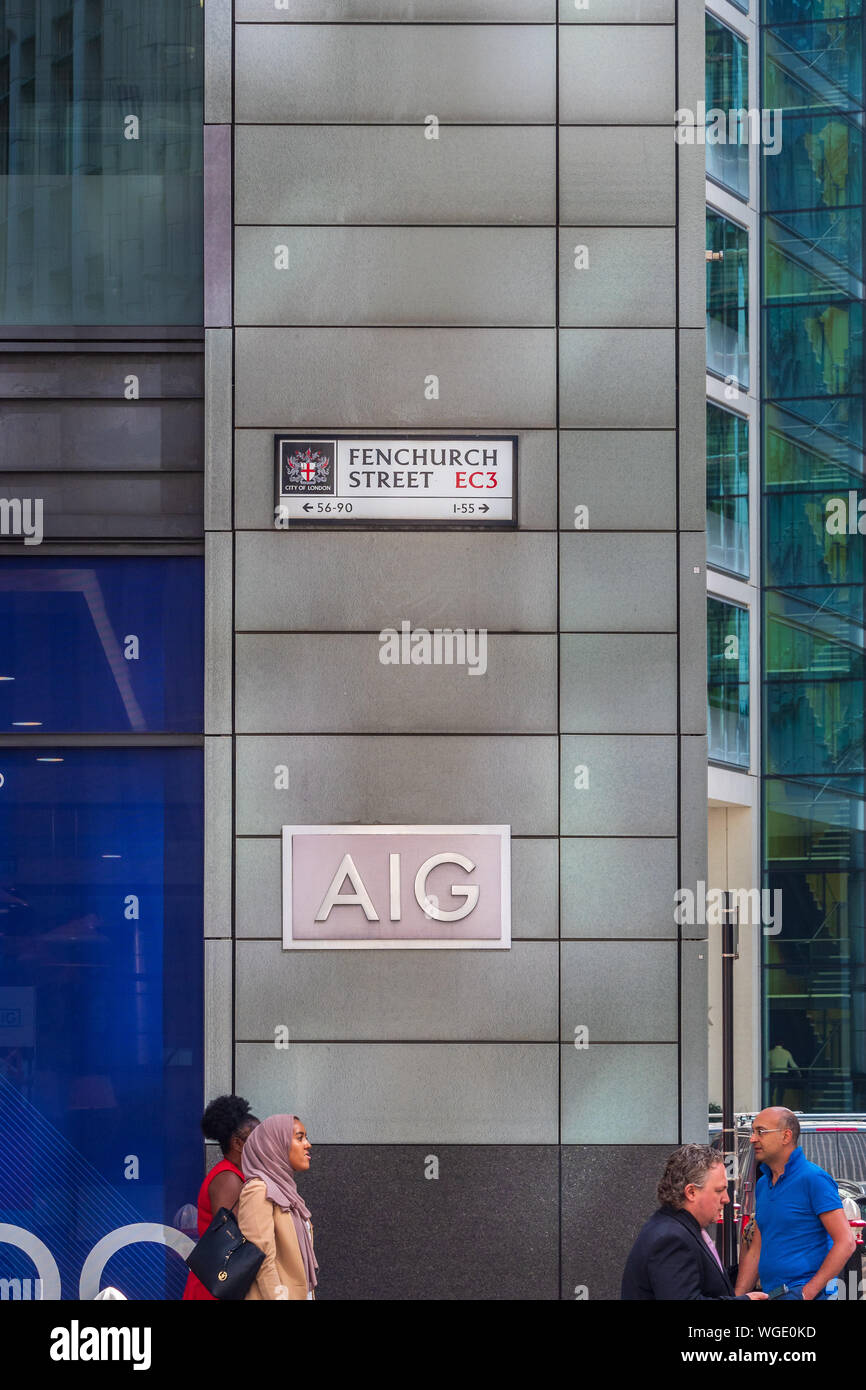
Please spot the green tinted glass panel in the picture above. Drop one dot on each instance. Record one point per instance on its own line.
(727, 299)
(101, 162)
(727, 91)
(814, 633)
(802, 12)
(814, 690)
(814, 64)
(727, 490)
(815, 350)
(728, 682)
(813, 331)
(820, 164)
(813, 965)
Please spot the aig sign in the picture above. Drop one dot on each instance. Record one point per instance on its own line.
(397, 887)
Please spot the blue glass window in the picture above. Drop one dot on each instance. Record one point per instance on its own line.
(803, 11)
(727, 299)
(101, 645)
(728, 682)
(813, 54)
(100, 1003)
(727, 83)
(814, 748)
(727, 490)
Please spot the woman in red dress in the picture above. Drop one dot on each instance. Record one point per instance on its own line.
(228, 1121)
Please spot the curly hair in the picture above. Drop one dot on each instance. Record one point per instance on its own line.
(691, 1163)
(224, 1117)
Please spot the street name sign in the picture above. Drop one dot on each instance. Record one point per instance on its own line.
(403, 479)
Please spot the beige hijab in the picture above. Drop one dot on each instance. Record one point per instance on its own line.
(265, 1155)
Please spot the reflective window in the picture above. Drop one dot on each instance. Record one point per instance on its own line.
(813, 968)
(727, 299)
(100, 1005)
(728, 682)
(727, 490)
(727, 84)
(815, 689)
(809, 548)
(814, 54)
(101, 644)
(802, 11)
(814, 621)
(101, 162)
(813, 316)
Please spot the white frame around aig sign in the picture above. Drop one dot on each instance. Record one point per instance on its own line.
(500, 943)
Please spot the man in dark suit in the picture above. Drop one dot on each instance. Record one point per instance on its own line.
(674, 1257)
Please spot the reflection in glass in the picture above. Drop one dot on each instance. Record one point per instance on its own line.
(727, 85)
(814, 745)
(727, 490)
(100, 1005)
(102, 644)
(727, 299)
(728, 682)
(813, 968)
(814, 669)
(814, 54)
(101, 162)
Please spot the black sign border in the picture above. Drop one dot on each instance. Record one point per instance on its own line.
(362, 524)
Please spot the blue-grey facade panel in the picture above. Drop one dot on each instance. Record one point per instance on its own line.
(400, 73)
(381, 174)
(436, 276)
(306, 581)
(363, 378)
(492, 683)
(367, 779)
(618, 888)
(616, 74)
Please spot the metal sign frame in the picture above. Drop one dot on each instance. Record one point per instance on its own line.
(473, 522)
(492, 943)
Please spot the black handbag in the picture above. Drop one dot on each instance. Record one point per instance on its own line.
(224, 1260)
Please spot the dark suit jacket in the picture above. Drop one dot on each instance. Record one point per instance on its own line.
(670, 1260)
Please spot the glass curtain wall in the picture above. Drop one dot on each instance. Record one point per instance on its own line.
(727, 85)
(728, 682)
(727, 490)
(727, 299)
(812, 468)
(100, 162)
(101, 646)
(100, 1007)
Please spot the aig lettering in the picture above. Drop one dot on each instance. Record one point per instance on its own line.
(361, 898)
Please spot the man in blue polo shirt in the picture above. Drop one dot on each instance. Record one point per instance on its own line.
(802, 1237)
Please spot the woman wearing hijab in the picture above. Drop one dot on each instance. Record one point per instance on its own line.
(229, 1121)
(271, 1212)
